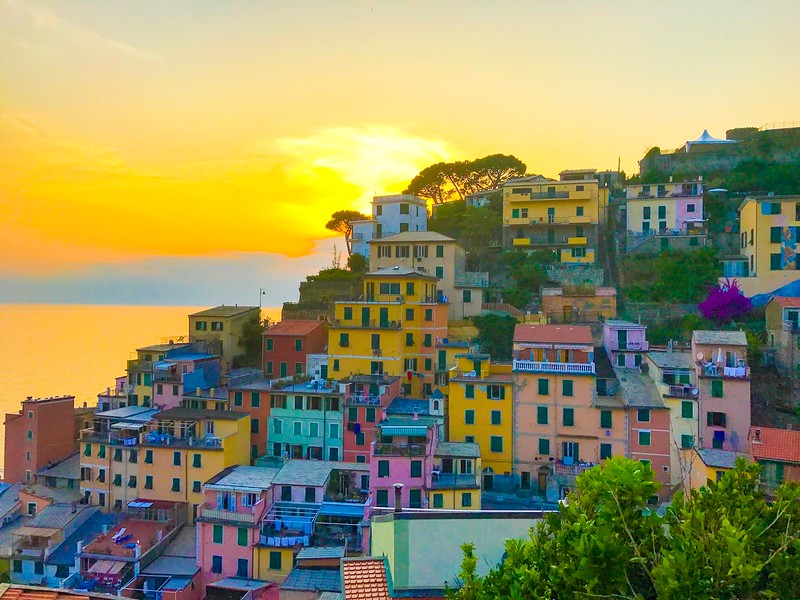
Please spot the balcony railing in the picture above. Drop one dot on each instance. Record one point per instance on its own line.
(682, 391)
(454, 480)
(530, 366)
(572, 469)
(399, 449)
(740, 371)
(227, 515)
(474, 279)
(154, 438)
(370, 324)
(163, 377)
(634, 345)
(363, 400)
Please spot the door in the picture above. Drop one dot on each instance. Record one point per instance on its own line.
(384, 316)
(442, 360)
(567, 314)
(570, 451)
(622, 339)
(370, 291)
(525, 480)
(476, 366)
(323, 371)
(542, 479)
(283, 369)
(365, 316)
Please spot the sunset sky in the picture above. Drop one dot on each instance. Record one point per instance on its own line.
(191, 152)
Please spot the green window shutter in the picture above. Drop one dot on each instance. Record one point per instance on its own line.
(118, 480)
(270, 342)
(148, 482)
(440, 272)
(438, 501)
(716, 388)
(775, 261)
(644, 438)
(237, 398)
(541, 415)
(605, 451)
(496, 443)
(544, 446)
(544, 387)
(241, 536)
(687, 409)
(775, 235)
(515, 213)
(469, 417)
(348, 313)
(466, 499)
(428, 340)
(360, 439)
(275, 560)
(176, 459)
(687, 441)
(255, 399)
(643, 415)
(87, 450)
(416, 468)
(382, 498)
(370, 415)
(176, 484)
(148, 457)
(440, 251)
(569, 417)
(605, 419)
(101, 451)
(217, 534)
(428, 364)
(566, 387)
(352, 414)
(383, 468)
(469, 391)
(197, 461)
(196, 487)
(496, 417)
(409, 339)
(429, 314)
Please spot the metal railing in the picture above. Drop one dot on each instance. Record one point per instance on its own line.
(552, 367)
(791, 326)
(363, 400)
(227, 515)
(634, 345)
(573, 469)
(399, 449)
(682, 391)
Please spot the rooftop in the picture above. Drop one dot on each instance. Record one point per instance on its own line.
(310, 387)
(56, 516)
(28, 592)
(241, 584)
(413, 236)
(224, 311)
(721, 338)
(59, 495)
(136, 531)
(321, 552)
(241, 477)
(179, 558)
(199, 414)
(786, 302)
(48, 399)
(638, 390)
(9, 498)
(365, 579)
(621, 323)
(161, 347)
(398, 271)
(84, 533)
(722, 459)
(69, 468)
(671, 360)
(293, 327)
(408, 406)
(317, 580)
(458, 449)
(553, 334)
(140, 414)
(769, 443)
(312, 472)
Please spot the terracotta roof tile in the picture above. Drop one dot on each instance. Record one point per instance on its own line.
(787, 302)
(553, 334)
(289, 327)
(768, 443)
(365, 579)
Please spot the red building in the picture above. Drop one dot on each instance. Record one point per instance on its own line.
(253, 398)
(42, 432)
(286, 345)
(365, 402)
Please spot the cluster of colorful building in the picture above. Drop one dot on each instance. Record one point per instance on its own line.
(372, 442)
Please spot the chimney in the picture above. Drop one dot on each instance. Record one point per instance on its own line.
(211, 392)
(416, 416)
(197, 392)
(758, 435)
(398, 497)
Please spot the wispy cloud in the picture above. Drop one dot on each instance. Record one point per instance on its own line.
(23, 14)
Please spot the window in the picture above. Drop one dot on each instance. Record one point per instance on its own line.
(568, 417)
(31, 509)
(38, 568)
(515, 213)
(687, 409)
(427, 340)
(370, 415)
(716, 388)
(310, 494)
(579, 209)
(237, 398)
(579, 253)
(286, 493)
(196, 487)
(415, 498)
(496, 417)
(117, 480)
(118, 454)
(87, 450)
(439, 251)
(466, 499)
(335, 364)
(544, 387)
(646, 212)
(176, 484)
(200, 325)
(643, 415)
(469, 391)
(360, 458)
(716, 419)
(298, 428)
(541, 415)
(333, 431)
(344, 340)
(438, 501)
(440, 272)
(416, 468)
(566, 387)
(605, 451)
(348, 313)
(496, 443)
(133, 457)
(605, 419)
(17, 566)
(383, 468)
(255, 399)
(242, 566)
(409, 339)
(148, 482)
(775, 262)
(148, 457)
(428, 364)
(466, 296)
(176, 459)
(197, 458)
(275, 560)
(429, 314)
(132, 481)
(544, 446)
(400, 252)
(360, 439)
(313, 429)
(662, 212)
(298, 368)
(496, 392)
(217, 534)
(403, 209)
(644, 438)
(269, 367)
(410, 284)
(271, 343)
(687, 441)
(382, 498)
(216, 325)
(298, 345)
(216, 563)
(469, 417)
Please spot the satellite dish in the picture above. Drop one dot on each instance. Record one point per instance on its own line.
(694, 391)
(699, 356)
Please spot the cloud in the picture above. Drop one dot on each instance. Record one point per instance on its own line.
(24, 15)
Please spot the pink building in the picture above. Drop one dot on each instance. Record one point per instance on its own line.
(625, 342)
(365, 401)
(176, 376)
(723, 382)
(228, 526)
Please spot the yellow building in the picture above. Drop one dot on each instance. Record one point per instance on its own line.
(222, 326)
(434, 254)
(392, 330)
(555, 215)
(707, 465)
(456, 478)
(159, 456)
(767, 246)
(481, 410)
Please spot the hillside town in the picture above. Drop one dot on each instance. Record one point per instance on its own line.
(425, 396)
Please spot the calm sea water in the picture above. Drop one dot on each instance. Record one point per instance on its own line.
(53, 350)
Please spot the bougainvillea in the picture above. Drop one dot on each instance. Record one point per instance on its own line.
(724, 303)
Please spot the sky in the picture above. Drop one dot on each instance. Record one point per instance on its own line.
(191, 152)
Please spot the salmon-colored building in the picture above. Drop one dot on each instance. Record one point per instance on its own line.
(287, 344)
(366, 398)
(42, 432)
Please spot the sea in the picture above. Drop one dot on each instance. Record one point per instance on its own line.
(77, 350)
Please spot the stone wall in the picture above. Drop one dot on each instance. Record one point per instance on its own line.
(576, 274)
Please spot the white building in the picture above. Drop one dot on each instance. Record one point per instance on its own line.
(390, 215)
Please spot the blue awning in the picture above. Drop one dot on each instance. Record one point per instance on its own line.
(341, 509)
(420, 430)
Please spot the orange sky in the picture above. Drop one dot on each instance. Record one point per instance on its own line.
(139, 132)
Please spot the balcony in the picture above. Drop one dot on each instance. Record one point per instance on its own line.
(572, 468)
(475, 279)
(634, 345)
(577, 241)
(227, 515)
(579, 220)
(741, 371)
(167, 377)
(529, 366)
(371, 324)
(153, 438)
(363, 400)
(454, 480)
(681, 391)
(399, 449)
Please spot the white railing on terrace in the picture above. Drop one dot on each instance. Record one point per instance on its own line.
(227, 515)
(553, 367)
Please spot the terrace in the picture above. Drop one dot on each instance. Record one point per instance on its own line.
(529, 366)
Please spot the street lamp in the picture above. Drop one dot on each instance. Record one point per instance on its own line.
(262, 292)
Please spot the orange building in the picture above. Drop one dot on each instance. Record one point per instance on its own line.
(42, 432)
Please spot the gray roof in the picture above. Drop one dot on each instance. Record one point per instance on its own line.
(398, 271)
(458, 449)
(176, 566)
(9, 498)
(621, 323)
(69, 468)
(408, 406)
(59, 495)
(721, 338)
(312, 472)
(56, 516)
(224, 311)
(183, 544)
(671, 360)
(330, 596)
(321, 552)
(240, 583)
(723, 459)
(141, 414)
(198, 414)
(413, 236)
(244, 478)
(324, 580)
(638, 390)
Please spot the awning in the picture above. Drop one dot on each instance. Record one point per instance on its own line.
(404, 430)
(37, 531)
(101, 567)
(341, 509)
(162, 365)
(127, 425)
